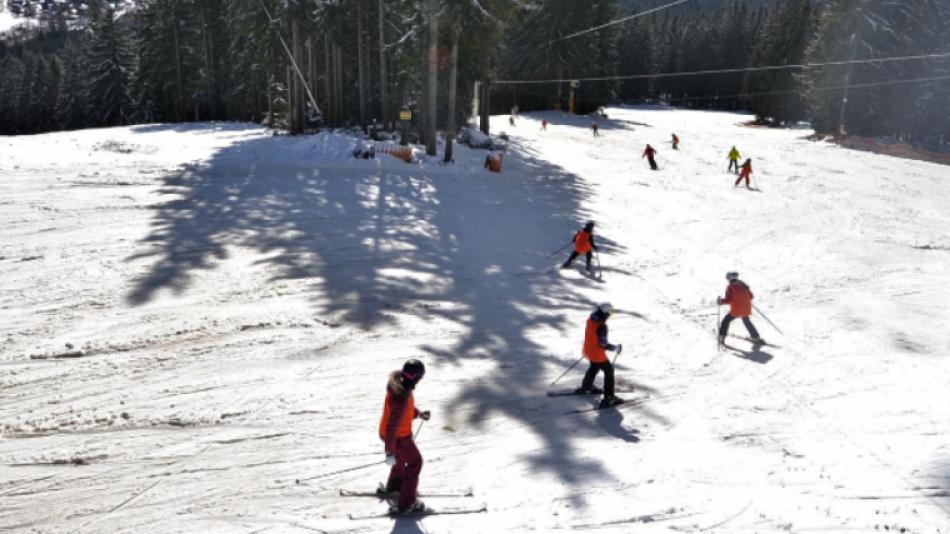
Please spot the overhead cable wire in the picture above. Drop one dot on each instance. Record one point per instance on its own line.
(941, 55)
(618, 21)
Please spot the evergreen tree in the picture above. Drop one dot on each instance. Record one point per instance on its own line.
(108, 93)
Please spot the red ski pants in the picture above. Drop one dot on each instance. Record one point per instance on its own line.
(404, 476)
(741, 177)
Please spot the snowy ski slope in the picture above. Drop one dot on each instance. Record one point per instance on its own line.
(197, 321)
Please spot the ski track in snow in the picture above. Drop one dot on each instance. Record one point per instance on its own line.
(197, 322)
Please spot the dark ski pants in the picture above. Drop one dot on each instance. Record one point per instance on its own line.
(724, 329)
(608, 369)
(404, 476)
(652, 163)
(734, 163)
(574, 256)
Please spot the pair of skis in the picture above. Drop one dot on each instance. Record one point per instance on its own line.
(381, 494)
(571, 392)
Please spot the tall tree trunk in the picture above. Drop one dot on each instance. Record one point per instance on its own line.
(433, 78)
(383, 78)
(453, 82)
(206, 39)
(485, 101)
(338, 56)
(328, 81)
(361, 61)
(298, 90)
(178, 83)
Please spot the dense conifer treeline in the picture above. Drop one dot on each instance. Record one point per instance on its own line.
(357, 61)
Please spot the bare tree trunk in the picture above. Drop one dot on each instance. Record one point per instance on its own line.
(178, 82)
(296, 101)
(383, 78)
(338, 56)
(453, 82)
(431, 148)
(209, 63)
(361, 61)
(485, 100)
(328, 81)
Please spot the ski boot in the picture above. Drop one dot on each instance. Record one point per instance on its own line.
(413, 508)
(610, 400)
(593, 390)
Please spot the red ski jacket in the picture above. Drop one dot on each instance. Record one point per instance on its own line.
(739, 298)
(398, 412)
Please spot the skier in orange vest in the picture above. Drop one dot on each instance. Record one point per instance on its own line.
(395, 429)
(739, 298)
(745, 172)
(595, 349)
(583, 244)
(676, 142)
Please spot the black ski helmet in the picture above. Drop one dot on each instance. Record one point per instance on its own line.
(589, 226)
(413, 369)
(732, 275)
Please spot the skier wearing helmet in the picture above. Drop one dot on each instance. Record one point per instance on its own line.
(595, 349)
(395, 429)
(583, 244)
(739, 298)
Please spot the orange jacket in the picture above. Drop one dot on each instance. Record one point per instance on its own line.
(582, 244)
(746, 170)
(593, 349)
(739, 298)
(398, 412)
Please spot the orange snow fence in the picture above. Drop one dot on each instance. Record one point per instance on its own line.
(401, 152)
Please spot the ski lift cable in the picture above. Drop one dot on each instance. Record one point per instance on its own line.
(303, 79)
(768, 93)
(618, 21)
(942, 55)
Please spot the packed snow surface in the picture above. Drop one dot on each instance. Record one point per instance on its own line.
(197, 322)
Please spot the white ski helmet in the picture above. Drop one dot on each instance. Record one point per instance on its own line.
(605, 308)
(732, 275)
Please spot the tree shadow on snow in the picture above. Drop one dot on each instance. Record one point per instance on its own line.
(376, 240)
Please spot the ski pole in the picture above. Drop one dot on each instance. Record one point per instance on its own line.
(767, 319)
(347, 470)
(573, 365)
(619, 350)
(418, 430)
(718, 321)
(600, 270)
(558, 251)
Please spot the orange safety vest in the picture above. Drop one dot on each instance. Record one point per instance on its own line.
(582, 242)
(592, 349)
(405, 424)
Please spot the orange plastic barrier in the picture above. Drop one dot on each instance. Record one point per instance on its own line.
(401, 152)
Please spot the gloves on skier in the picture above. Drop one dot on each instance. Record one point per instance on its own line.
(424, 415)
(619, 347)
(718, 301)
(390, 459)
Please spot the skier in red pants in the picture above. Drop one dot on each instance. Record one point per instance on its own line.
(745, 172)
(395, 429)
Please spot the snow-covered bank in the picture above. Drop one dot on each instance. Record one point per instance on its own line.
(236, 300)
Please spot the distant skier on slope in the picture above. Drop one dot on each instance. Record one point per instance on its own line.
(583, 244)
(650, 154)
(734, 159)
(676, 142)
(746, 172)
(595, 349)
(395, 429)
(594, 128)
(739, 298)
(544, 125)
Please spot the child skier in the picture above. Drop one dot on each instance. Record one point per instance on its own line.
(595, 349)
(395, 429)
(676, 142)
(583, 244)
(650, 154)
(734, 159)
(739, 298)
(745, 173)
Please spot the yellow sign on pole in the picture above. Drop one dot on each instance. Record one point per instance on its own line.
(405, 115)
